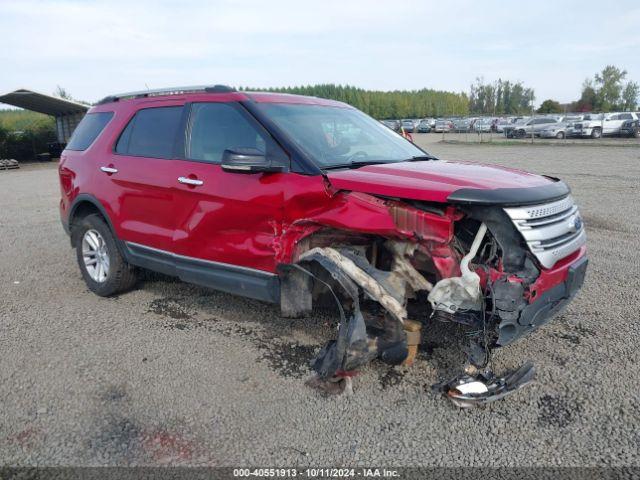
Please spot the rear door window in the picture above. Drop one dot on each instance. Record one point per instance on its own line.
(88, 130)
(151, 132)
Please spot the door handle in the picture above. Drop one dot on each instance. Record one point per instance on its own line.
(190, 181)
(109, 170)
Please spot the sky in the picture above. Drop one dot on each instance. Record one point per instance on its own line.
(94, 48)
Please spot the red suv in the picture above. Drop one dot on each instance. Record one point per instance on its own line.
(293, 200)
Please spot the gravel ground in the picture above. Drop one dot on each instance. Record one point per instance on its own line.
(175, 374)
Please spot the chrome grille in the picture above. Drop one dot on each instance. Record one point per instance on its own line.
(552, 230)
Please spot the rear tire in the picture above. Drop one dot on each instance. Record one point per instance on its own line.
(596, 133)
(103, 268)
(560, 135)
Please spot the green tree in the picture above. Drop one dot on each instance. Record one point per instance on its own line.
(609, 87)
(550, 106)
(588, 99)
(607, 92)
(630, 96)
(499, 97)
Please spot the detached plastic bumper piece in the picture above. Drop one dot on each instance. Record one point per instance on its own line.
(466, 391)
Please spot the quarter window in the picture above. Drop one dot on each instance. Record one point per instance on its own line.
(151, 133)
(216, 127)
(88, 130)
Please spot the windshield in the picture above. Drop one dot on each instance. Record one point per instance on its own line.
(339, 136)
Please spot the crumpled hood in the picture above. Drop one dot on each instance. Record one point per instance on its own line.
(437, 180)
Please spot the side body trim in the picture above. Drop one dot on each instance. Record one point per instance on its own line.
(225, 277)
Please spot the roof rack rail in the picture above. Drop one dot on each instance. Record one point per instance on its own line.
(168, 91)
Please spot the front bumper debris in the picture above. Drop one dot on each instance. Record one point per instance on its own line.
(518, 320)
(382, 287)
(474, 389)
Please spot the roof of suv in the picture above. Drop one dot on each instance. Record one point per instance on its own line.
(202, 93)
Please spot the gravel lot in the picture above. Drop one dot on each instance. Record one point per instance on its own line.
(175, 374)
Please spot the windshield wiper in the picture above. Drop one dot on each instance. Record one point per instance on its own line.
(362, 163)
(421, 158)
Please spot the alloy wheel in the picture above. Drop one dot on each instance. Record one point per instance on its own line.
(95, 256)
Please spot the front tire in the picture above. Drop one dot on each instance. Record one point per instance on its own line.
(560, 135)
(103, 268)
(596, 133)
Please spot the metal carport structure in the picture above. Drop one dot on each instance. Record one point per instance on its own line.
(66, 112)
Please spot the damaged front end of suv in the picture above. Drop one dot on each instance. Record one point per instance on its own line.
(498, 261)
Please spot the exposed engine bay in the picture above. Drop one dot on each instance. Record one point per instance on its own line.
(463, 264)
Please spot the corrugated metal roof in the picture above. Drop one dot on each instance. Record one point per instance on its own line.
(39, 102)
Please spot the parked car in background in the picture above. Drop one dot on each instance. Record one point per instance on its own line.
(443, 126)
(631, 128)
(559, 130)
(408, 125)
(532, 126)
(590, 126)
(424, 126)
(484, 125)
(462, 125)
(613, 122)
(571, 118)
(430, 121)
(597, 125)
(501, 124)
(392, 124)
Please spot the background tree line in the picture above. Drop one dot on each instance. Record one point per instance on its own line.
(396, 104)
(501, 97)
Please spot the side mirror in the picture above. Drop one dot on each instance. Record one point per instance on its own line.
(248, 160)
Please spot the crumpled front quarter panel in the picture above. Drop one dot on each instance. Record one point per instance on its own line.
(312, 204)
